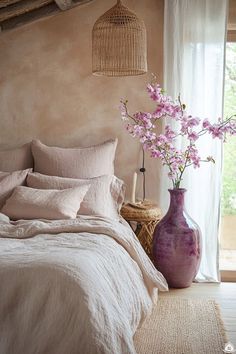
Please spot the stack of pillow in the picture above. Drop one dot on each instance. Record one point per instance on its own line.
(42, 182)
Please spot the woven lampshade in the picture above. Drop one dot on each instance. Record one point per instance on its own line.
(119, 45)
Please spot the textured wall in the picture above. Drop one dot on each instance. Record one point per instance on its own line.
(47, 90)
(232, 15)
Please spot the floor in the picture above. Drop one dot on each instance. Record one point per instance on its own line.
(225, 296)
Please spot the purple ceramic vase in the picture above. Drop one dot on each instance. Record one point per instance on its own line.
(177, 243)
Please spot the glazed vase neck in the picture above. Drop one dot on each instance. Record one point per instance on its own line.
(176, 201)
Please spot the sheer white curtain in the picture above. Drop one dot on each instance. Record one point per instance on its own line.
(194, 46)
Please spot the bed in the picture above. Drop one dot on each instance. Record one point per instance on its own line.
(80, 284)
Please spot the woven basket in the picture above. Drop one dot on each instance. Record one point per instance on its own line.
(146, 211)
(146, 215)
(119, 45)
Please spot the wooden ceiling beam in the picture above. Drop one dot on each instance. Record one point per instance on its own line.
(21, 7)
(4, 3)
(31, 16)
(68, 4)
(36, 14)
(64, 4)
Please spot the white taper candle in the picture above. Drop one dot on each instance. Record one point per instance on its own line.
(134, 187)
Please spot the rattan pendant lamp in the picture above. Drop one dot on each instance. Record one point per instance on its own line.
(119, 46)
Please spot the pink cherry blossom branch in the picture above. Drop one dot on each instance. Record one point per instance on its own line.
(141, 125)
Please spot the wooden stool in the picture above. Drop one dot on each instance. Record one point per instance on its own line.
(146, 215)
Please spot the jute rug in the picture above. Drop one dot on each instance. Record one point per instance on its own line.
(182, 326)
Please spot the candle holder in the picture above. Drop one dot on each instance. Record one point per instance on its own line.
(143, 170)
(133, 194)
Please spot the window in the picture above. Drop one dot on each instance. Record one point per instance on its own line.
(228, 202)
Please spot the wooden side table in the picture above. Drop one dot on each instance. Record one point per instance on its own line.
(146, 215)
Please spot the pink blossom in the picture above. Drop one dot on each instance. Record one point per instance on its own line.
(163, 146)
(192, 136)
(161, 139)
(229, 128)
(154, 92)
(193, 122)
(193, 156)
(155, 153)
(138, 130)
(177, 112)
(169, 133)
(188, 122)
(150, 135)
(174, 166)
(196, 161)
(144, 118)
(161, 110)
(216, 131)
(206, 124)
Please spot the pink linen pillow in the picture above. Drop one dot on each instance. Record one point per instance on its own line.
(74, 162)
(8, 181)
(104, 197)
(29, 203)
(16, 159)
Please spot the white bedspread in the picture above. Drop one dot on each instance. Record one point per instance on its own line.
(72, 286)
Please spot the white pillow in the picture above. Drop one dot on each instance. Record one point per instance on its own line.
(87, 162)
(104, 197)
(10, 180)
(29, 203)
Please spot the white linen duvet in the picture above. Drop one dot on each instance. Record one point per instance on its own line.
(73, 286)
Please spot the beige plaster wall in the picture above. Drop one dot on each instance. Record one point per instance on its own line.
(232, 15)
(47, 90)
